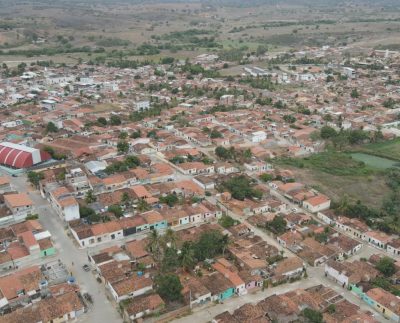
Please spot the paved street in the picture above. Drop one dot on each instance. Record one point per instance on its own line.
(74, 258)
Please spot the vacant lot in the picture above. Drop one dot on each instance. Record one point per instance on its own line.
(338, 175)
(106, 107)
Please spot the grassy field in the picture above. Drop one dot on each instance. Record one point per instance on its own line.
(106, 107)
(375, 161)
(388, 149)
(338, 175)
(338, 164)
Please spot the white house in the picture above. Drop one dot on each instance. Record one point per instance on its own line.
(64, 204)
(338, 272)
(258, 136)
(130, 287)
(377, 238)
(142, 105)
(393, 247)
(317, 203)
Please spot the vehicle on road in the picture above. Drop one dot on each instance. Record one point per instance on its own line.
(86, 267)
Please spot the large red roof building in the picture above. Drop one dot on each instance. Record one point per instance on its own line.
(20, 156)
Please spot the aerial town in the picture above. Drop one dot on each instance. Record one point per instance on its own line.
(175, 192)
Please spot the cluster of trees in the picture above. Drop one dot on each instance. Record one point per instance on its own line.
(241, 187)
(165, 251)
(51, 127)
(341, 139)
(122, 166)
(54, 154)
(34, 178)
(170, 199)
(232, 154)
(213, 133)
(277, 225)
(123, 146)
(196, 69)
(89, 214)
(263, 83)
(226, 221)
(152, 112)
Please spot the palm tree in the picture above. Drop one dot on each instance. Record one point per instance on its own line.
(154, 244)
(143, 206)
(125, 199)
(90, 197)
(224, 243)
(170, 239)
(187, 257)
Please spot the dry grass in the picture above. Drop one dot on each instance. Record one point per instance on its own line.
(370, 190)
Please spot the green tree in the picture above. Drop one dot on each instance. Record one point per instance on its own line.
(210, 244)
(35, 178)
(115, 120)
(102, 121)
(328, 132)
(187, 256)
(331, 309)
(223, 153)
(277, 225)
(90, 197)
(215, 134)
(136, 134)
(51, 127)
(123, 135)
(116, 210)
(170, 261)
(312, 316)
(266, 177)
(169, 287)
(241, 187)
(386, 266)
(330, 78)
(226, 221)
(169, 239)
(143, 206)
(170, 199)
(289, 118)
(88, 213)
(125, 199)
(354, 94)
(154, 244)
(123, 147)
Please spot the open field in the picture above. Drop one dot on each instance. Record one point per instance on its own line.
(338, 175)
(370, 190)
(106, 107)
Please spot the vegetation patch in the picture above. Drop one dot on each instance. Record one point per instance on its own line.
(335, 163)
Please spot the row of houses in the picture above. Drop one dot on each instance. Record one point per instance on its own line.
(359, 230)
(90, 235)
